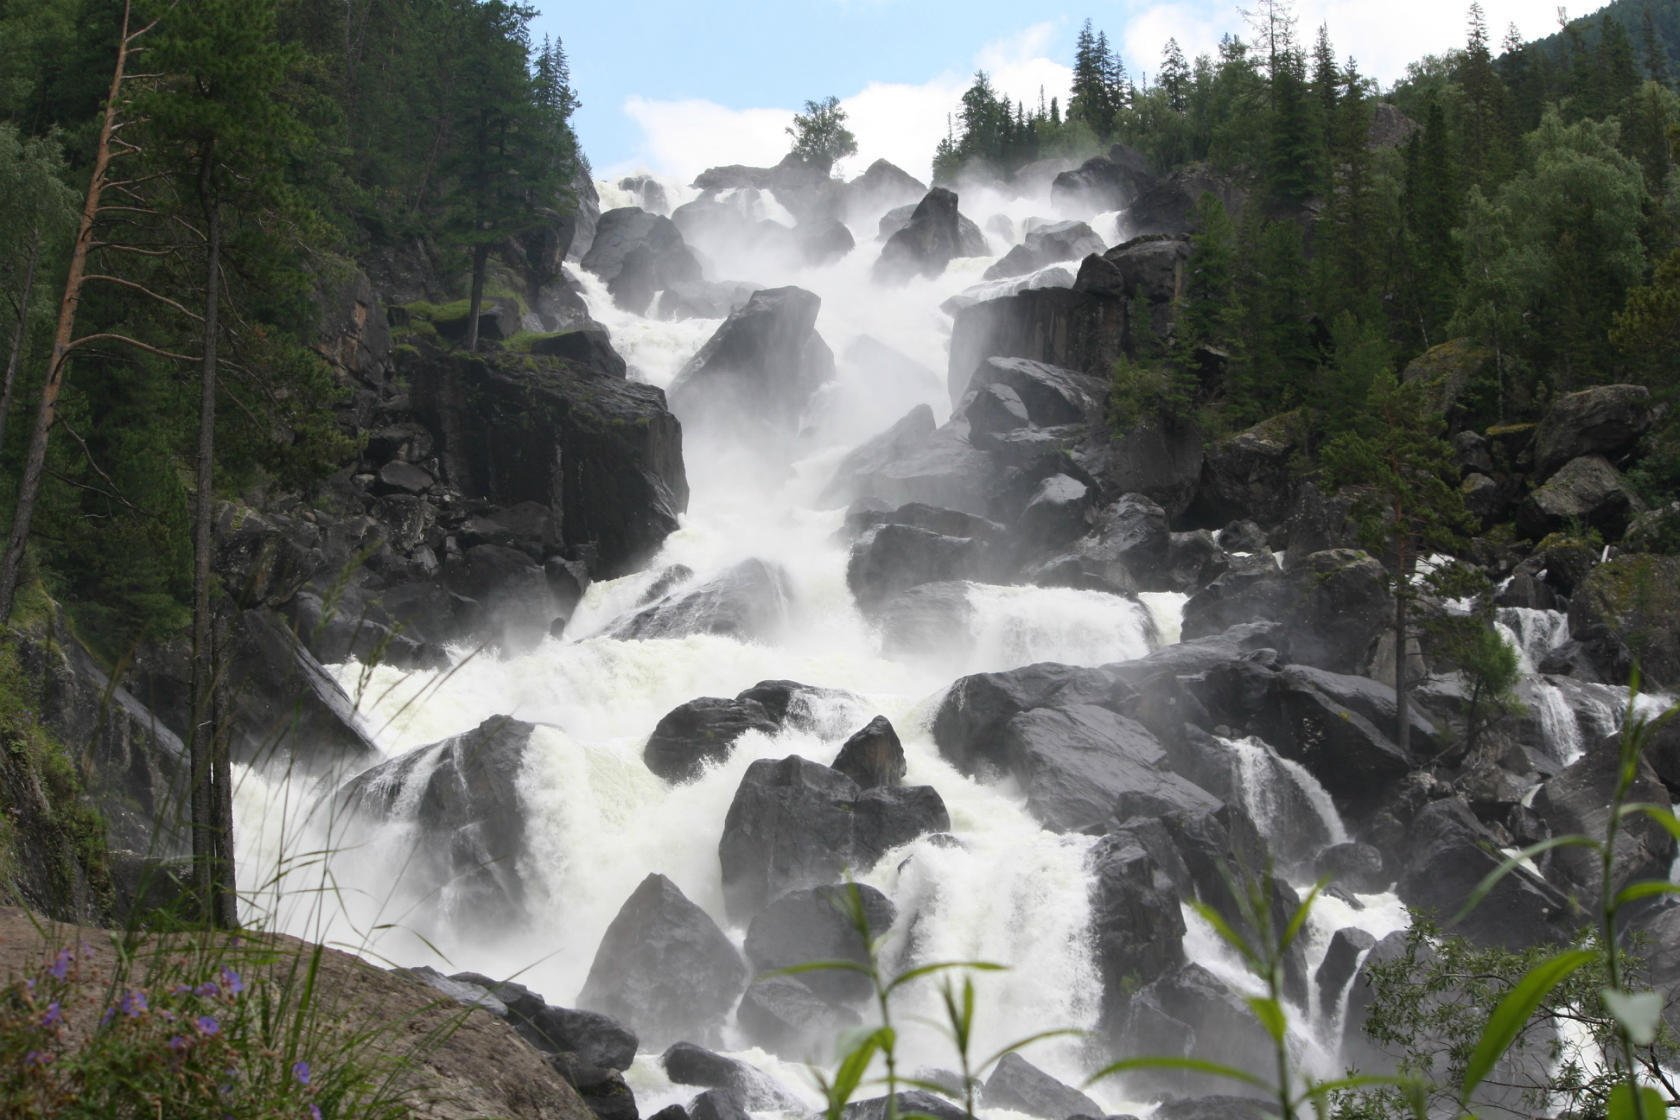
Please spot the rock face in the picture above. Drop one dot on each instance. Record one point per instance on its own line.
(927, 243)
(468, 808)
(1077, 330)
(701, 731)
(1101, 183)
(688, 1064)
(639, 254)
(1136, 923)
(797, 824)
(761, 367)
(1606, 420)
(749, 600)
(881, 187)
(1044, 245)
(873, 756)
(1585, 491)
(601, 453)
(892, 558)
(784, 1016)
(1019, 1085)
(1629, 609)
(664, 968)
(815, 925)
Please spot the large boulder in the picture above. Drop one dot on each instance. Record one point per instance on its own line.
(688, 1064)
(815, 924)
(700, 732)
(1169, 205)
(795, 824)
(1249, 474)
(1450, 852)
(637, 254)
(1101, 183)
(1128, 549)
(1605, 420)
(1048, 396)
(913, 462)
(1082, 331)
(1586, 491)
(891, 558)
(1045, 245)
(1577, 801)
(1073, 764)
(748, 601)
(1335, 606)
(882, 187)
(1191, 1013)
(925, 245)
(1137, 925)
(783, 1015)
(760, 368)
(465, 799)
(1627, 612)
(873, 756)
(664, 968)
(968, 727)
(502, 422)
(1159, 455)
(1020, 1086)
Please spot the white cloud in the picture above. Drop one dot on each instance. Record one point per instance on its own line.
(1383, 38)
(898, 122)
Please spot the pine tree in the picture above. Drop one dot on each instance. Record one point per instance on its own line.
(1656, 59)
(1483, 134)
(1175, 77)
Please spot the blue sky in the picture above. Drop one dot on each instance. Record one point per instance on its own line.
(674, 88)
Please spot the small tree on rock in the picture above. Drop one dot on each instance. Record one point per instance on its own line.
(820, 135)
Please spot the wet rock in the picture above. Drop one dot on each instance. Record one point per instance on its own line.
(702, 299)
(783, 1015)
(1249, 474)
(688, 1064)
(814, 924)
(469, 809)
(928, 241)
(664, 968)
(650, 191)
(892, 558)
(1126, 551)
(911, 1102)
(1073, 764)
(1340, 965)
(882, 186)
(1101, 183)
(1019, 1085)
(605, 1091)
(1059, 327)
(879, 453)
(748, 601)
(1449, 854)
(702, 731)
(1605, 420)
(873, 756)
(925, 620)
(1577, 801)
(825, 244)
(1136, 923)
(918, 515)
(968, 728)
(940, 468)
(638, 254)
(795, 824)
(1044, 245)
(1626, 611)
(760, 368)
(590, 345)
(1191, 1013)
(717, 1104)
(1354, 866)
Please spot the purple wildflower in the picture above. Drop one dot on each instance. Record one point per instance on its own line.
(178, 1043)
(314, 1112)
(37, 1058)
(208, 1025)
(208, 989)
(60, 965)
(53, 1016)
(300, 1070)
(133, 1003)
(232, 982)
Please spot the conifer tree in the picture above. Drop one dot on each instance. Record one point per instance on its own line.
(1175, 77)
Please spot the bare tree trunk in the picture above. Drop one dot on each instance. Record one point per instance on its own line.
(226, 902)
(16, 354)
(34, 463)
(1402, 681)
(210, 849)
(481, 258)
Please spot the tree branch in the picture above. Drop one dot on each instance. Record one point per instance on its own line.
(145, 291)
(112, 336)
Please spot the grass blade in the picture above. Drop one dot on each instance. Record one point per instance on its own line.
(1513, 1014)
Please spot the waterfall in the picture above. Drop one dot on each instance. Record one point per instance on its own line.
(1275, 789)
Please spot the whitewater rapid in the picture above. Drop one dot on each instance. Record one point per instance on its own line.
(598, 821)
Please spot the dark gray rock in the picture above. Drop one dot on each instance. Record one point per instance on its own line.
(968, 728)
(882, 187)
(638, 254)
(815, 924)
(1136, 923)
(1019, 1085)
(1449, 854)
(1101, 183)
(825, 244)
(1627, 612)
(717, 1104)
(760, 368)
(1577, 801)
(783, 1015)
(1191, 1013)
(1249, 474)
(664, 968)
(911, 1102)
(925, 620)
(1605, 420)
(590, 345)
(1355, 867)
(928, 242)
(688, 1064)
(892, 558)
(703, 299)
(1340, 965)
(1075, 330)
(795, 824)
(873, 756)
(604, 1090)
(699, 732)
(1585, 491)
(469, 809)
(1044, 245)
(748, 601)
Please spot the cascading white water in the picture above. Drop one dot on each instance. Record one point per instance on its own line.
(1273, 788)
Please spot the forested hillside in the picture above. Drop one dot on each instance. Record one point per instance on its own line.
(412, 137)
(1520, 196)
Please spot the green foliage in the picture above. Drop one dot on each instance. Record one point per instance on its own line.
(820, 135)
(184, 1028)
